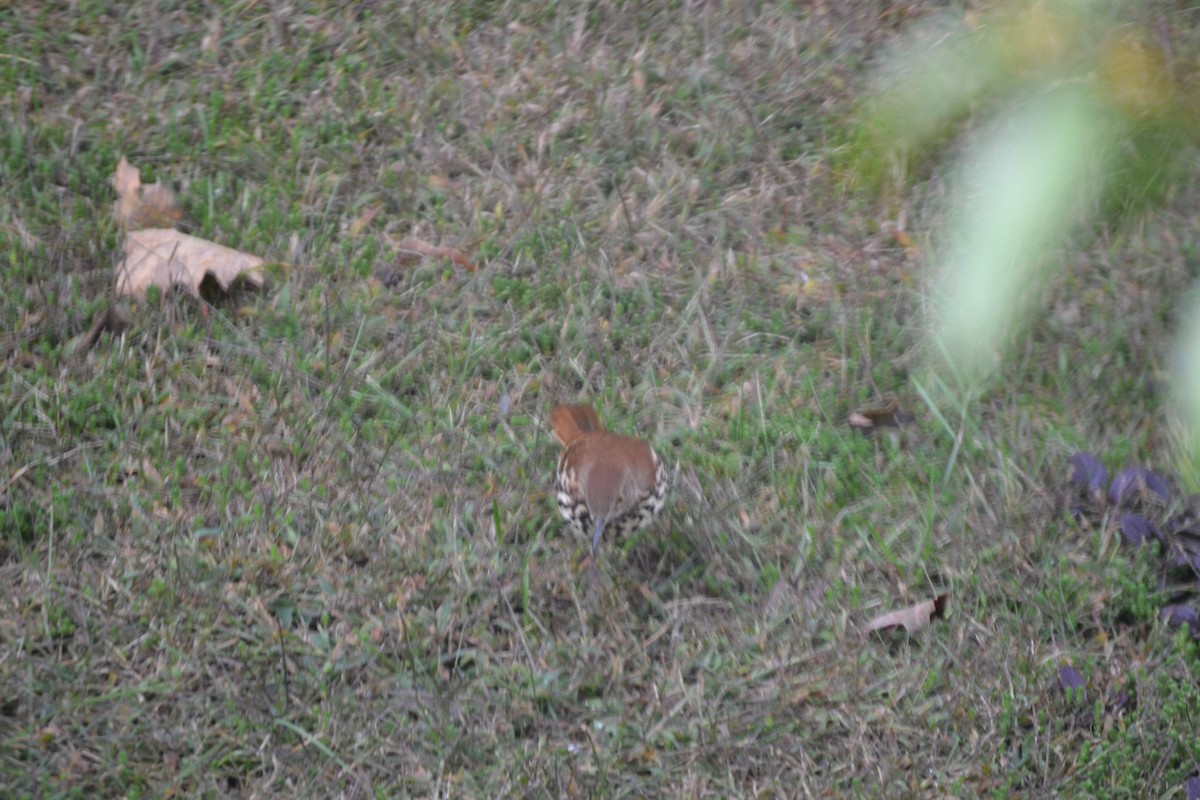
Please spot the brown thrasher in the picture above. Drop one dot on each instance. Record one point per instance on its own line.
(604, 481)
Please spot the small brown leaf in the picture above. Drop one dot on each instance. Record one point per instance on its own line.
(211, 41)
(364, 219)
(150, 473)
(164, 257)
(913, 618)
(884, 413)
(911, 248)
(422, 248)
(139, 206)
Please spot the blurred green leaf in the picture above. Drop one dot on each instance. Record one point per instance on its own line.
(1025, 185)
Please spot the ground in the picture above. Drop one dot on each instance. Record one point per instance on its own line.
(301, 541)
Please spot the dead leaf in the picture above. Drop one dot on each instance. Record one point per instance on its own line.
(150, 473)
(164, 257)
(911, 248)
(139, 206)
(364, 219)
(211, 41)
(412, 245)
(884, 413)
(913, 618)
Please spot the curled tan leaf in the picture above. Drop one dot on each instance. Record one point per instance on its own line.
(912, 619)
(139, 206)
(858, 420)
(165, 257)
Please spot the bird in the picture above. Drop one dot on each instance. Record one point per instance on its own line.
(604, 481)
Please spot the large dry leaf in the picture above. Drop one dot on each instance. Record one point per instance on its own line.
(913, 618)
(139, 206)
(163, 257)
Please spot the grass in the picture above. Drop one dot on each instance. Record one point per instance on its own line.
(301, 542)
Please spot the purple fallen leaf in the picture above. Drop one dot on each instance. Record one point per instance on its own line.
(1158, 484)
(1192, 787)
(1087, 472)
(1177, 616)
(1137, 529)
(1135, 484)
(1071, 682)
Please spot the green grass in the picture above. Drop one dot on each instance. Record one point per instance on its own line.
(290, 542)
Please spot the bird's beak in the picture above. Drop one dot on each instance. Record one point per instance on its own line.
(596, 535)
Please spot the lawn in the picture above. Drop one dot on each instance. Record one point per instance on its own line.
(301, 541)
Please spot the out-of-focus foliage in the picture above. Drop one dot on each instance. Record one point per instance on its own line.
(1079, 115)
(950, 69)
